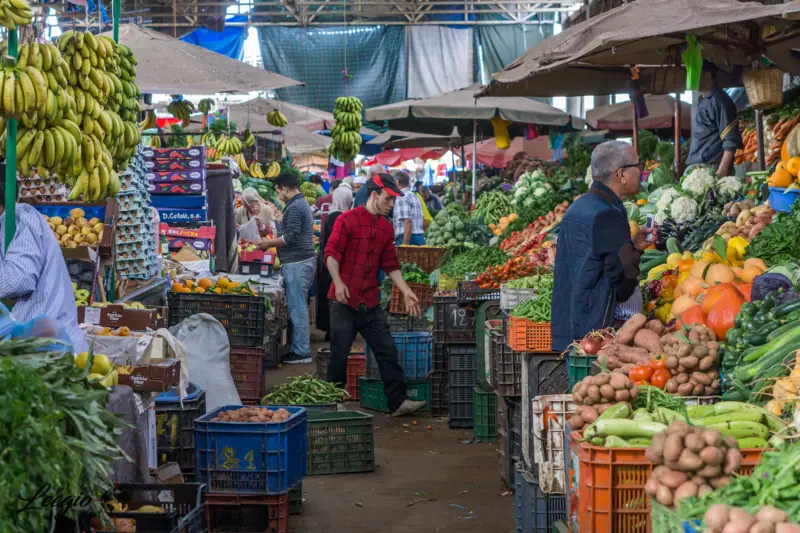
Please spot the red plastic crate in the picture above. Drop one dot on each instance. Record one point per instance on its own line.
(247, 514)
(356, 367)
(247, 370)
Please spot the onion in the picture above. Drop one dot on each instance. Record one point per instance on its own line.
(591, 345)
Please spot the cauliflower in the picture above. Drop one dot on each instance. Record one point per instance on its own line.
(588, 178)
(660, 217)
(540, 191)
(698, 181)
(729, 186)
(666, 199)
(683, 209)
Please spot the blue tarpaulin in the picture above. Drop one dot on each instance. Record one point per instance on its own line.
(228, 42)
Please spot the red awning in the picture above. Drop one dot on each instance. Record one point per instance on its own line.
(393, 158)
(490, 155)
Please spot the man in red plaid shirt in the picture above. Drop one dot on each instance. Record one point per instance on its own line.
(361, 242)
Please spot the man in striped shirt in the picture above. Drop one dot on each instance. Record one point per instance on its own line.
(34, 275)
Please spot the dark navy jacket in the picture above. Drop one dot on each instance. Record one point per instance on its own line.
(715, 115)
(596, 266)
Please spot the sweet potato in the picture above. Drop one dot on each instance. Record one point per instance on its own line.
(628, 331)
(656, 326)
(635, 355)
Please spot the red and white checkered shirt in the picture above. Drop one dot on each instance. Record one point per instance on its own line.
(361, 243)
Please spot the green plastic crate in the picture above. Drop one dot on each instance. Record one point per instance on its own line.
(340, 442)
(579, 367)
(371, 395)
(296, 499)
(484, 415)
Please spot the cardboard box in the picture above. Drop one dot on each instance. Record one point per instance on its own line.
(177, 243)
(168, 214)
(115, 316)
(164, 165)
(177, 201)
(203, 232)
(177, 187)
(183, 175)
(191, 152)
(159, 375)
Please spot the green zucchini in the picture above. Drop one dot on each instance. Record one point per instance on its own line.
(783, 329)
(784, 309)
(777, 346)
(673, 247)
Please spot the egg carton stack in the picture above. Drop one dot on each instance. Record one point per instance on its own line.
(42, 190)
(135, 244)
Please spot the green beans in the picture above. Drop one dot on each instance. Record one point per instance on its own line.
(538, 308)
(305, 390)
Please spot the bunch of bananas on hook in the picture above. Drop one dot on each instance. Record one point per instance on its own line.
(155, 141)
(273, 170)
(181, 109)
(205, 105)
(228, 146)
(208, 140)
(276, 119)
(248, 139)
(346, 137)
(241, 163)
(15, 13)
(149, 121)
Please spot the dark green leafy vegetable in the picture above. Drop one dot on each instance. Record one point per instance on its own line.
(475, 259)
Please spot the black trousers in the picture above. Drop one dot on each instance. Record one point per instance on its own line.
(345, 323)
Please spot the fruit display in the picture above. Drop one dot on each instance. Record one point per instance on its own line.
(225, 145)
(521, 266)
(519, 242)
(221, 286)
(241, 163)
(182, 109)
(205, 105)
(14, 13)
(690, 461)
(102, 371)
(75, 230)
(346, 137)
(311, 191)
(594, 395)
(748, 220)
(81, 295)
(276, 118)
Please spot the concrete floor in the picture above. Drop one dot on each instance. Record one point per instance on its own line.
(426, 480)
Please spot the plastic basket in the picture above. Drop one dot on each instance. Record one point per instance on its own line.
(427, 258)
(469, 291)
(534, 511)
(514, 416)
(780, 200)
(250, 457)
(440, 394)
(541, 375)
(527, 336)
(241, 316)
(439, 358)
(506, 368)
(413, 353)
(356, 367)
(184, 514)
(447, 283)
(611, 486)
(549, 416)
(406, 323)
(579, 367)
(372, 396)
(484, 415)
(247, 514)
(423, 291)
(462, 378)
(296, 499)
(247, 371)
(340, 443)
(453, 324)
(272, 356)
(175, 428)
(510, 298)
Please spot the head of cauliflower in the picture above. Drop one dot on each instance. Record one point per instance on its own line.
(698, 181)
(683, 209)
(666, 199)
(729, 186)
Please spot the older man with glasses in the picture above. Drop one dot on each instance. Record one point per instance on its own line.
(597, 263)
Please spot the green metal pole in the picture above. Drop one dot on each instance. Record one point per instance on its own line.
(115, 9)
(11, 160)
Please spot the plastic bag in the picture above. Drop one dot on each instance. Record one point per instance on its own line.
(693, 61)
(250, 230)
(501, 138)
(208, 353)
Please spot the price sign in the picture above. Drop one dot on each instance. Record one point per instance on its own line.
(459, 317)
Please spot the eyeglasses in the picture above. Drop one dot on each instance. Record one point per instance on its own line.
(639, 165)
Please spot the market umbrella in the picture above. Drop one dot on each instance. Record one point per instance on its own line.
(171, 66)
(595, 56)
(299, 140)
(393, 158)
(490, 155)
(619, 117)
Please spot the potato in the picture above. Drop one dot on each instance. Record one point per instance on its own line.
(787, 528)
(673, 479)
(709, 391)
(656, 326)
(618, 381)
(634, 391)
(671, 386)
(733, 460)
(594, 393)
(602, 378)
(673, 445)
(704, 489)
(607, 391)
(686, 490)
(701, 378)
(710, 471)
(712, 437)
(689, 461)
(762, 527)
(731, 441)
(601, 407)
(575, 423)
(672, 362)
(717, 516)
(651, 487)
(694, 441)
(658, 472)
(698, 390)
(682, 378)
(699, 351)
(690, 362)
(771, 514)
(712, 455)
(740, 517)
(664, 496)
(686, 389)
(648, 339)
(684, 350)
(588, 413)
(655, 452)
(622, 395)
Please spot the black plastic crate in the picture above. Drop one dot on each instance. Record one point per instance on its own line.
(534, 511)
(469, 291)
(407, 323)
(547, 374)
(175, 428)
(453, 323)
(439, 358)
(184, 514)
(462, 378)
(241, 316)
(461, 407)
(506, 463)
(296, 499)
(506, 368)
(272, 356)
(440, 394)
(514, 417)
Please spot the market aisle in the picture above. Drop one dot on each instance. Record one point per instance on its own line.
(457, 486)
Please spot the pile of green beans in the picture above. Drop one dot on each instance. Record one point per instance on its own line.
(305, 390)
(538, 308)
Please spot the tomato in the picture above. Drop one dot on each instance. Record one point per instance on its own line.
(640, 373)
(640, 383)
(658, 361)
(669, 281)
(660, 378)
(685, 265)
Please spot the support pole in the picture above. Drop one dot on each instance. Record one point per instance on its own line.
(677, 115)
(762, 164)
(635, 125)
(11, 160)
(474, 158)
(115, 11)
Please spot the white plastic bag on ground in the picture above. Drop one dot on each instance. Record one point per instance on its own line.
(208, 352)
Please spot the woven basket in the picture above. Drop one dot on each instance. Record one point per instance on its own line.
(764, 87)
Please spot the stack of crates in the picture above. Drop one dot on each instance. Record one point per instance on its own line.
(175, 428)
(252, 470)
(454, 340)
(506, 378)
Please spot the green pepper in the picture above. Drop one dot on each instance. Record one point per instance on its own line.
(734, 336)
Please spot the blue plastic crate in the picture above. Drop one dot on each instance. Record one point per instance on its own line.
(250, 457)
(534, 511)
(414, 352)
(782, 201)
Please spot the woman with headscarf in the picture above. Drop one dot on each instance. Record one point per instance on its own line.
(254, 207)
(342, 201)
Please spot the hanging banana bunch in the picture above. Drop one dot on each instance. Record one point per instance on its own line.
(228, 146)
(241, 163)
(14, 13)
(256, 171)
(205, 105)
(181, 109)
(276, 118)
(345, 134)
(273, 170)
(248, 139)
(149, 120)
(155, 141)
(208, 140)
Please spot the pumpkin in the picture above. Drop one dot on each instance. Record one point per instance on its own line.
(698, 270)
(756, 262)
(723, 313)
(718, 292)
(693, 286)
(744, 289)
(750, 273)
(681, 304)
(719, 273)
(692, 315)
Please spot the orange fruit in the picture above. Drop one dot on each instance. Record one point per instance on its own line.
(189, 283)
(793, 166)
(223, 282)
(199, 290)
(177, 287)
(785, 151)
(780, 179)
(781, 165)
(205, 283)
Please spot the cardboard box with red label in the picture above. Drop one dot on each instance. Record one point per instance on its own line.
(159, 375)
(115, 316)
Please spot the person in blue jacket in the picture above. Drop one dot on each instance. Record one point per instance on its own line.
(597, 262)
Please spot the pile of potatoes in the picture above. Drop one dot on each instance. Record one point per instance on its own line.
(691, 461)
(594, 394)
(749, 220)
(693, 364)
(252, 414)
(726, 519)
